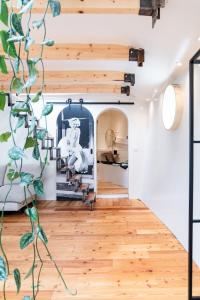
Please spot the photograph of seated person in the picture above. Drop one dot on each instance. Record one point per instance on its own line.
(71, 149)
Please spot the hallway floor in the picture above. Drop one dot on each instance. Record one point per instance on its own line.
(119, 251)
(109, 188)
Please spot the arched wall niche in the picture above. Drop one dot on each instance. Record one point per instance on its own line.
(112, 152)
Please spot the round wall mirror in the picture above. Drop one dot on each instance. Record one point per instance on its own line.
(171, 107)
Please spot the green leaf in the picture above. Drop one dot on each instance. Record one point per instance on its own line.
(30, 271)
(47, 109)
(55, 7)
(30, 142)
(17, 277)
(16, 153)
(36, 98)
(3, 272)
(3, 67)
(38, 24)
(26, 178)
(48, 43)
(4, 12)
(16, 65)
(16, 38)
(32, 213)
(4, 36)
(28, 42)
(17, 85)
(26, 240)
(38, 187)
(8, 47)
(40, 134)
(32, 73)
(41, 234)
(32, 125)
(12, 174)
(20, 107)
(20, 123)
(36, 152)
(2, 100)
(16, 22)
(5, 136)
(27, 7)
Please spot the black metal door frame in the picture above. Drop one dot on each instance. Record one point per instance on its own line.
(195, 60)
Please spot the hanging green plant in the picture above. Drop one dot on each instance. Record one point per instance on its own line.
(16, 41)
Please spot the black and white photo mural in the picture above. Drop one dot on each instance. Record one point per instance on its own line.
(75, 153)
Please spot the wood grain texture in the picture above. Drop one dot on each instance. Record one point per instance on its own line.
(92, 6)
(73, 88)
(76, 76)
(119, 251)
(82, 52)
(108, 188)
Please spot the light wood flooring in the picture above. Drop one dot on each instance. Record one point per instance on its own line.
(109, 188)
(119, 251)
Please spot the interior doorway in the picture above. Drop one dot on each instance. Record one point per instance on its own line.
(112, 154)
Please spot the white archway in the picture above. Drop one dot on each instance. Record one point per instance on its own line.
(116, 119)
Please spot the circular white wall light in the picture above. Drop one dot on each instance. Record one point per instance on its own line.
(171, 107)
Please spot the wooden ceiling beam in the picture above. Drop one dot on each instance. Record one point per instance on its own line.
(80, 52)
(90, 52)
(91, 6)
(79, 88)
(141, 7)
(77, 77)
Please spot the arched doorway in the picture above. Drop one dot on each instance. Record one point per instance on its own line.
(112, 154)
(75, 153)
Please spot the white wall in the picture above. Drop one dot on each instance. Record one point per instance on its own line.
(165, 181)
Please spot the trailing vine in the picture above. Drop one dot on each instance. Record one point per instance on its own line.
(17, 26)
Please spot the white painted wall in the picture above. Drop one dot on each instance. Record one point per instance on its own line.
(165, 178)
(114, 174)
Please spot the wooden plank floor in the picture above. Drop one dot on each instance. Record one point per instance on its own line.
(119, 251)
(108, 188)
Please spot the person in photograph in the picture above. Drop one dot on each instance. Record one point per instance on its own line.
(71, 148)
